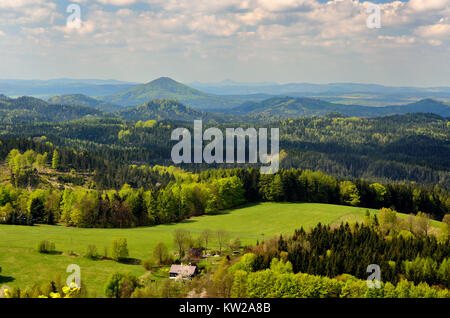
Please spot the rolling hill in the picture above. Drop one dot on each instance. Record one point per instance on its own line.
(30, 109)
(167, 109)
(345, 93)
(83, 100)
(284, 107)
(165, 87)
(251, 224)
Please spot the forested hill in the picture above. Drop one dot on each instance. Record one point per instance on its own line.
(29, 109)
(69, 107)
(165, 87)
(167, 109)
(412, 147)
(288, 107)
(83, 100)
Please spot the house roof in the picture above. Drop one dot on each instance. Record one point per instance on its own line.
(182, 269)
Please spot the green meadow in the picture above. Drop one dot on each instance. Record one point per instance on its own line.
(23, 266)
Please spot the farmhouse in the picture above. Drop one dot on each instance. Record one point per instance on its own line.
(183, 271)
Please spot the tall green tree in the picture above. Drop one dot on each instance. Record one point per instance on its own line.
(55, 159)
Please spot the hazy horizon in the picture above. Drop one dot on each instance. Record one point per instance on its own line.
(226, 80)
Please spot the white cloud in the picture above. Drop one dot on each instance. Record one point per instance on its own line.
(233, 30)
(16, 4)
(439, 30)
(428, 5)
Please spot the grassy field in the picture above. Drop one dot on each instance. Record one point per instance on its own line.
(23, 266)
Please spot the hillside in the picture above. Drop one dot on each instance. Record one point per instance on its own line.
(83, 100)
(165, 87)
(412, 147)
(285, 107)
(19, 259)
(167, 109)
(30, 109)
(250, 224)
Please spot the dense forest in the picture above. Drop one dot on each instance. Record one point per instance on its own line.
(400, 148)
(333, 262)
(129, 196)
(29, 109)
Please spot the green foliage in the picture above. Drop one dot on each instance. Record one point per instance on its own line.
(289, 285)
(120, 285)
(388, 219)
(148, 264)
(161, 254)
(29, 109)
(230, 192)
(55, 159)
(380, 191)
(182, 240)
(349, 193)
(82, 100)
(235, 244)
(349, 250)
(406, 234)
(119, 249)
(46, 247)
(246, 263)
(279, 266)
(91, 252)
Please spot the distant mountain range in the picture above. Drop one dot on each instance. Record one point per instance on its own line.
(30, 109)
(216, 97)
(230, 87)
(46, 89)
(166, 99)
(346, 93)
(285, 107)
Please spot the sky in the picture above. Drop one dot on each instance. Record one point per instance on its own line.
(243, 40)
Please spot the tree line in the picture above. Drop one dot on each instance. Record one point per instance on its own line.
(350, 249)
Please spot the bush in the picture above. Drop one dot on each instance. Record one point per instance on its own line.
(235, 244)
(161, 254)
(119, 249)
(91, 252)
(120, 285)
(46, 247)
(148, 264)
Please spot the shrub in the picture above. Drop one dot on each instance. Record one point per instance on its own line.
(119, 249)
(235, 244)
(91, 252)
(161, 254)
(46, 247)
(120, 285)
(148, 264)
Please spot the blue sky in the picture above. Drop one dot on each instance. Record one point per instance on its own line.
(244, 40)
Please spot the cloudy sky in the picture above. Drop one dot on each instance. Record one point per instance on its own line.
(212, 40)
